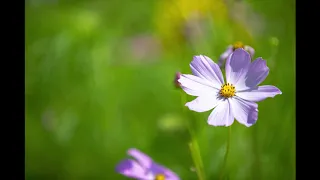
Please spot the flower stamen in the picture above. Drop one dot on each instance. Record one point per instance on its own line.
(227, 90)
(160, 177)
(237, 45)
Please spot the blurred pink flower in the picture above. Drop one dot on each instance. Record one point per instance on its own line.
(144, 48)
(144, 168)
(231, 48)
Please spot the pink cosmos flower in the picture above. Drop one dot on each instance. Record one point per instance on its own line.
(144, 168)
(234, 99)
(231, 48)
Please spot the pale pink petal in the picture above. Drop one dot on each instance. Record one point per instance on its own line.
(144, 160)
(131, 169)
(225, 55)
(259, 93)
(258, 71)
(195, 86)
(237, 66)
(222, 114)
(204, 102)
(159, 169)
(203, 67)
(250, 50)
(173, 177)
(245, 112)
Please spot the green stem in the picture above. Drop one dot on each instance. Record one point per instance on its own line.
(193, 145)
(256, 164)
(227, 153)
(194, 149)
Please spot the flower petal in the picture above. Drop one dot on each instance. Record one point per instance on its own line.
(204, 102)
(225, 55)
(250, 50)
(257, 73)
(144, 160)
(177, 77)
(245, 112)
(195, 86)
(237, 66)
(222, 114)
(259, 93)
(203, 67)
(131, 169)
(158, 169)
(173, 177)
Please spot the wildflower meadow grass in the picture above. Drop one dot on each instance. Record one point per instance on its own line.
(110, 93)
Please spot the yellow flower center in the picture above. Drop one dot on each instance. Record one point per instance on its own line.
(160, 177)
(227, 90)
(237, 45)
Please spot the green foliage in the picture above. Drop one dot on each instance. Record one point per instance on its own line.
(90, 96)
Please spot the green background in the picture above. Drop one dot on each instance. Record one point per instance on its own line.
(99, 80)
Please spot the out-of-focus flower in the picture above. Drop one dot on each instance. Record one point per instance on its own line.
(176, 83)
(243, 13)
(235, 99)
(179, 21)
(231, 48)
(143, 168)
(144, 47)
(195, 28)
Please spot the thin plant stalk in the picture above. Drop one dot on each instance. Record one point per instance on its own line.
(227, 153)
(193, 146)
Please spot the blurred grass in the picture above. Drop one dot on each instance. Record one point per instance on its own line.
(99, 80)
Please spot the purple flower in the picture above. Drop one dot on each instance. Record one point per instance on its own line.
(143, 168)
(234, 99)
(231, 48)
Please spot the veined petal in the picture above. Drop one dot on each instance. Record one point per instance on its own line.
(144, 160)
(195, 86)
(237, 66)
(225, 55)
(204, 102)
(257, 73)
(245, 112)
(259, 93)
(131, 169)
(203, 67)
(221, 115)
